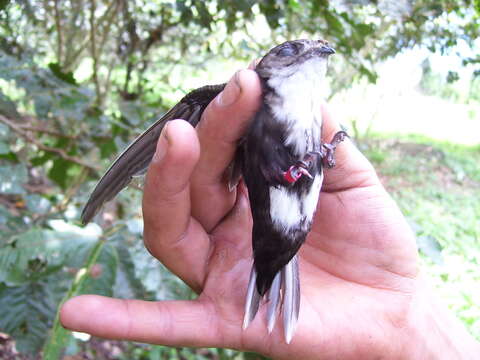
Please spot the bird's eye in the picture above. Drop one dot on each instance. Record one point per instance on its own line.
(287, 51)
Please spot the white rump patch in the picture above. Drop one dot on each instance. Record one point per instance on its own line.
(285, 208)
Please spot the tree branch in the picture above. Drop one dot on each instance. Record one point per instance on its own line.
(93, 49)
(108, 17)
(58, 24)
(45, 131)
(71, 36)
(24, 134)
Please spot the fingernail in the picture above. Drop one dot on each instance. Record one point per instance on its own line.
(230, 93)
(162, 145)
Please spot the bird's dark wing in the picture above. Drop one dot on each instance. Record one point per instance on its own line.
(134, 160)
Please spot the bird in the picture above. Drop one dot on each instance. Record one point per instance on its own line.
(281, 159)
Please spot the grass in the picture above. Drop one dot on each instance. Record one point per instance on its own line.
(437, 186)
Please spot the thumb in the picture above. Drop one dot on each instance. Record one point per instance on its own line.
(352, 169)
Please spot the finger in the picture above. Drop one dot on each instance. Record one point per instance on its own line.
(169, 233)
(352, 169)
(224, 122)
(253, 64)
(171, 323)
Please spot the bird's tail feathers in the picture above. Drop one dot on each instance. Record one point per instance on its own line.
(274, 300)
(284, 294)
(253, 299)
(291, 298)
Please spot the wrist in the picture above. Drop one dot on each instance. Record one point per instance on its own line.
(434, 333)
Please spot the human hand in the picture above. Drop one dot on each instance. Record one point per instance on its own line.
(358, 267)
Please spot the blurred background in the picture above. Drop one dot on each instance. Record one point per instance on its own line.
(80, 79)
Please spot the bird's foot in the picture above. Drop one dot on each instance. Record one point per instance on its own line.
(301, 168)
(328, 150)
(295, 172)
(327, 154)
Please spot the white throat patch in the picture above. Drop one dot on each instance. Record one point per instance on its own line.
(300, 93)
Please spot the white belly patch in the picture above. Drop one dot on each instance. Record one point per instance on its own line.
(289, 211)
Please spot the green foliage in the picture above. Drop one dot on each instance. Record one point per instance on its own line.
(436, 186)
(13, 177)
(78, 80)
(448, 87)
(28, 312)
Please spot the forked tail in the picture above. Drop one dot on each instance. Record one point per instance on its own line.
(283, 296)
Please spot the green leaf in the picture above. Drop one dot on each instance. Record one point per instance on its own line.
(12, 177)
(135, 226)
(334, 24)
(101, 282)
(452, 76)
(4, 148)
(38, 252)
(272, 12)
(372, 76)
(254, 356)
(476, 5)
(68, 77)
(3, 4)
(430, 247)
(60, 337)
(4, 131)
(10, 156)
(365, 29)
(37, 204)
(128, 284)
(43, 104)
(27, 311)
(107, 146)
(59, 172)
(5, 216)
(42, 159)
(294, 4)
(8, 108)
(18, 261)
(205, 17)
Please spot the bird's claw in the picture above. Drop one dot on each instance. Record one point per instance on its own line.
(295, 172)
(328, 150)
(305, 172)
(327, 154)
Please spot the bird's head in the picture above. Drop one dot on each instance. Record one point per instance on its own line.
(291, 56)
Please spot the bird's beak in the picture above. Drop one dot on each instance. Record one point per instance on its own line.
(327, 50)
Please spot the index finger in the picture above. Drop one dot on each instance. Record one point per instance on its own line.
(224, 122)
(169, 228)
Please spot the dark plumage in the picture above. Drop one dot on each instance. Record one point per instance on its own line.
(265, 159)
